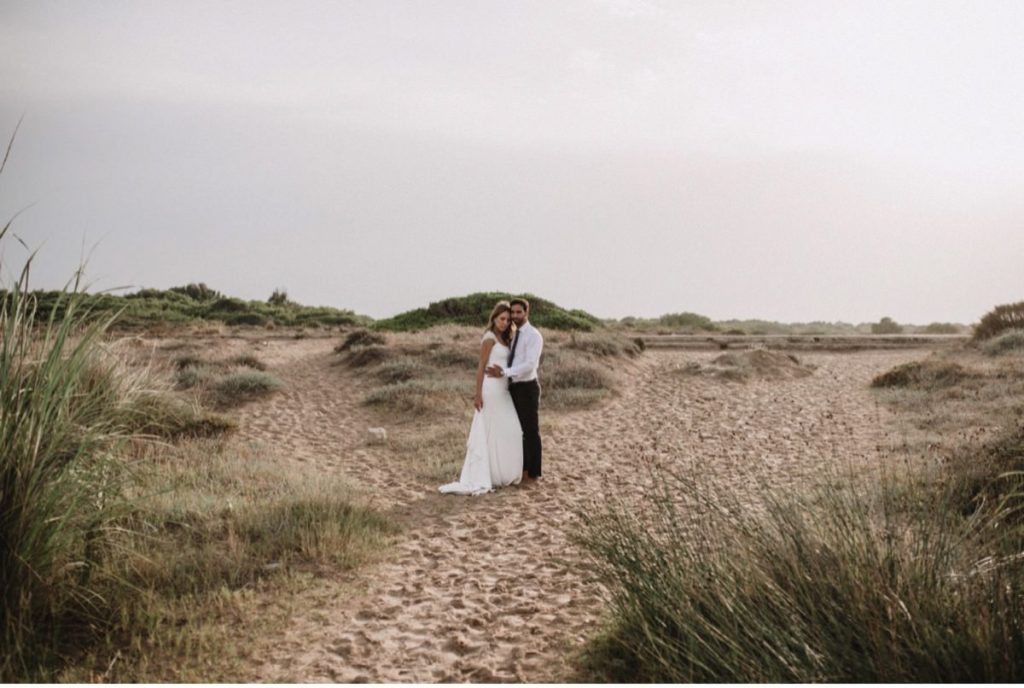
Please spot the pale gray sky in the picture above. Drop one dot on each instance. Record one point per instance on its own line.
(794, 161)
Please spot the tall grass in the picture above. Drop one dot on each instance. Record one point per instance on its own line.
(61, 413)
(841, 585)
(117, 547)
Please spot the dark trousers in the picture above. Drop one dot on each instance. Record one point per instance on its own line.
(526, 397)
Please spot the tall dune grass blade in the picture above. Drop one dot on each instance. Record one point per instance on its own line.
(840, 585)
(58, 419)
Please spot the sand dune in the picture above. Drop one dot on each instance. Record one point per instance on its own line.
(487, 588)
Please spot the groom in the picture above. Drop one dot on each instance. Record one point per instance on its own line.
(523, 360)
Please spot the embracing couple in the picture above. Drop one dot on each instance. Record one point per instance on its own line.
(504, 440)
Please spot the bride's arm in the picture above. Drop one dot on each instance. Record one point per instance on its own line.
(485, 354)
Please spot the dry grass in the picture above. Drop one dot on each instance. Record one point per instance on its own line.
(743, 366)
(210, 526)
(434, 454)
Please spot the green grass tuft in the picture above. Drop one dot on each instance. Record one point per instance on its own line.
(240, 387)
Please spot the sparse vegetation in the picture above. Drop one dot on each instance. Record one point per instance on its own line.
(422, 397)
(242, 386)
(742, 366)
(360, 338)
(606, 344)
(942, 328)
(365, 356)
(1008, 342)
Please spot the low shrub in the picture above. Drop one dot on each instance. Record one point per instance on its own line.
(886, 326)
(474, 309)
(237, 388)
(420, 397)
(927, 374)
(454, 357)
(194, 376)
(248, 361)
(358, 338)
(572, 398)
(578, 375)
(606, 344)
(398, 370)
(942, 328)
(1011, 341)
(158, 414)
(366, 356)
(1000, 319)
(257, 319)
(692, 321)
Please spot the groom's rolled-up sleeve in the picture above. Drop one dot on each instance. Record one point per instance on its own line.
(529, 360)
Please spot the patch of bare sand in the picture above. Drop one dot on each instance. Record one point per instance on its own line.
(487, 588)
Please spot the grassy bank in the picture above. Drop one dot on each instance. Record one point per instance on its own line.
(917, 577)
(133, 535)
(196, 303)
(474, 309)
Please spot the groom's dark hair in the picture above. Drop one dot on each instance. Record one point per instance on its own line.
(522, 302)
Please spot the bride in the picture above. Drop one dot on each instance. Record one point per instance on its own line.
(494, 450)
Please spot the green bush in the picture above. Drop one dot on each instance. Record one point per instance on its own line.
(687, 320)
(398, 371)
(196, 292)
(886, 326)
(451, 357)
(474, 309)
(257, 319)
(194, 303)
(942, 328)
(237, 388)
(1000, 319)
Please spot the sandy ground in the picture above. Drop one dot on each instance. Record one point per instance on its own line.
(487, 588)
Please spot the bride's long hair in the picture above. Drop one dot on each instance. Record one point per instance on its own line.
(506, 336)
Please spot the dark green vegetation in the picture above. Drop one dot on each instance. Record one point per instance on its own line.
(914, 576)
(1000, 319)
(193, 303)
(886, 326)
(474, 310)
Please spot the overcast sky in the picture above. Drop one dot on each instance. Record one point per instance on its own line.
(791, 161)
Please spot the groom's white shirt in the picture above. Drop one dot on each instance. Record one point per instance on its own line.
(524, 365)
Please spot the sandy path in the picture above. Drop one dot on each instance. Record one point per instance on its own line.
(485, 589)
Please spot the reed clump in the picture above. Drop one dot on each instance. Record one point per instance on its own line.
(840, 585)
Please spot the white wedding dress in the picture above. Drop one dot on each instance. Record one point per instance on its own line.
(494, 450)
